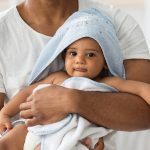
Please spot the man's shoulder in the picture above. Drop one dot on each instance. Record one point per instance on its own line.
(5, 19)
(8, 25)
(107, 8)
(4, 15)
(110, 10)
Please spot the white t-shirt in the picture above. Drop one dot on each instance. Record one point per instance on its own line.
(20, 45)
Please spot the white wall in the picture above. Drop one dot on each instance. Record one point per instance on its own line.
(4, 4)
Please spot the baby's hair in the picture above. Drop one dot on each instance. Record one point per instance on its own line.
(64, 53)
(104, 73)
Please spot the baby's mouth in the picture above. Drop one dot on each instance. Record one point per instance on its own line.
(80, 69)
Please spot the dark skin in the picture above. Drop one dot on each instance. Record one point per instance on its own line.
(2, 96)
(46, 16)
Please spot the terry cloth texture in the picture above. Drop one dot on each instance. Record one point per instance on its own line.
(67, 133)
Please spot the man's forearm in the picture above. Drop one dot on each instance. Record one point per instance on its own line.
(119, 111)
(2, 96)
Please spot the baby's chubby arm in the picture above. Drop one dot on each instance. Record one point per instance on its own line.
(134, 87)
(12, 107)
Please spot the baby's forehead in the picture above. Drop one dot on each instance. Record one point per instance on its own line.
(86, 42)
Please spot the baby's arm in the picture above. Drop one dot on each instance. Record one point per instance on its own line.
(135, 87)
(12, 108)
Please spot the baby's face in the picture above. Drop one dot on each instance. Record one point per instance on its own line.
(84, 58)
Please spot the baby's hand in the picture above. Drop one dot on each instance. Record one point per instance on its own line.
(5, 123)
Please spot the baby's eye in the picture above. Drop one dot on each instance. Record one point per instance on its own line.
(73, 53)
(90, 54)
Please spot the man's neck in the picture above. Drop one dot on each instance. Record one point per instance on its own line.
(42, 13)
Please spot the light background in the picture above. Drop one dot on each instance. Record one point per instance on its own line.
(139, 9)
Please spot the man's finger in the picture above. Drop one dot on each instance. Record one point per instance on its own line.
(29, 98)
(32, 122)
(99, 145)
(8, 125)
(25, 106)
(26, 114)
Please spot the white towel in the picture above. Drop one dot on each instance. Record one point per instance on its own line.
(67, 133)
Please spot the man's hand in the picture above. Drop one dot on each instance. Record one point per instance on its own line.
(41, 109)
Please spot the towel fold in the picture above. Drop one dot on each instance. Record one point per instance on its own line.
(67, 133)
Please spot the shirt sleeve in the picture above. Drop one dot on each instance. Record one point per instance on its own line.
(131, 37)
(2, 87)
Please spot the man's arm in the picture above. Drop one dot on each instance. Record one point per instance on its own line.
(120, 111)
(138, 88)
(2, 96)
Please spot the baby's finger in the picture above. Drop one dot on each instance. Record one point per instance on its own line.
(8, 125)
(26, 105)
(26, 114)
(29, 98)
(87, 142)
(2, 128)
